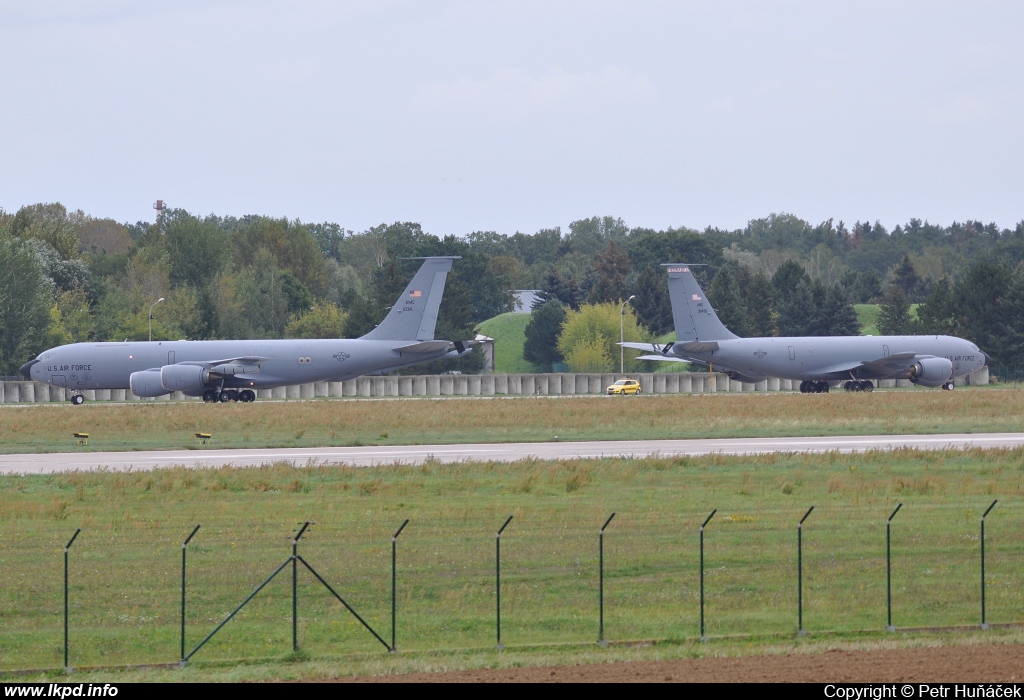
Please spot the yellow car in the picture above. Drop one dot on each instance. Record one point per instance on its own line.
(624, 386)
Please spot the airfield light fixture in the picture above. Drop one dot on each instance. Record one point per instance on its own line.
(151, 317)
(622, 315)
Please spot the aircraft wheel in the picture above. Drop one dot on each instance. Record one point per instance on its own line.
(948, 386)
(210, 396)
(822, 388)
(247, 396)
(225, 396)
(803, 387)
(848, 386)
(867, 386)
(77, 400)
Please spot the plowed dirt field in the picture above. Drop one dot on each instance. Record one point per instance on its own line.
(965, 664)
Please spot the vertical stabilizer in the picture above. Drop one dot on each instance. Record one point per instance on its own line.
(414, 315)
(692, 312)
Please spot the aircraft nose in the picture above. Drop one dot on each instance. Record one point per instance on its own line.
(26, 369)
(988, 359)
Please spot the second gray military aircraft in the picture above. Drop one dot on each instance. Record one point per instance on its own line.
(817, 362)
(232, 370)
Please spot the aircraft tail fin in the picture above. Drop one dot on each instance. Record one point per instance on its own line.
(414, 315)
(694, 317)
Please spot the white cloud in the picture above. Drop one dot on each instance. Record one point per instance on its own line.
(510, 90)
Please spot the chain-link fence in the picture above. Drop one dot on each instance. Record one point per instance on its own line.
(124, 581)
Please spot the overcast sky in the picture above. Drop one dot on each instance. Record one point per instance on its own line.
(516, 115)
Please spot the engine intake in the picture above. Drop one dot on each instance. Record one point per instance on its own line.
(146, 384)
(931, 371)
(184, 377)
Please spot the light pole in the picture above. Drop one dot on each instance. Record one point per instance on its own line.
(151, 318)
(622, 315)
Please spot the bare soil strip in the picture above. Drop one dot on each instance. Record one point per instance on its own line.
(998, 663)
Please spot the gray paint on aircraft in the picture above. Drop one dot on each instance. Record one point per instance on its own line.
(930, 360)
(405, 337)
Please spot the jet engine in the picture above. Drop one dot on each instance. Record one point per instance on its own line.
(147, 384)
(931, 371)
(184, 377)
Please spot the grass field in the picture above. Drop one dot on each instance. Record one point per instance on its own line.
(509, 333)
(48, 427)
(125, 564)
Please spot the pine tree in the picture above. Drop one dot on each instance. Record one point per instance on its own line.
(798, 311)
(894, 313)
(839, 312)
(759, 299)
(652, 305)
(542, 332)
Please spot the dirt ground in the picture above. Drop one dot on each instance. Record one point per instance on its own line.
(967, 664)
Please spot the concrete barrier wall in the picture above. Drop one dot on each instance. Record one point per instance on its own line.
(463, 385)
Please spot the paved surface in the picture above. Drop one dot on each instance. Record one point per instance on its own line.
(416, 454)
(955, 664)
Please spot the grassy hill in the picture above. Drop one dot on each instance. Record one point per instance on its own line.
(509, 333)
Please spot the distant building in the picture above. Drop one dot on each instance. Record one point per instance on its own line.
(526, 299)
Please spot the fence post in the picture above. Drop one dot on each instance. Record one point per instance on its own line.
(184, 545)
(703, 637)
(984, 624)
(497, 579)
(800, 573)
(888, 569)
(295, 586)
(67, 668)
(600, 580)
(394, 559)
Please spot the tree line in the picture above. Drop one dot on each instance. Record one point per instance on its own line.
(69, 277)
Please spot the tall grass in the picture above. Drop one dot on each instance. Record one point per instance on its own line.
(125, 575)
(367, 422)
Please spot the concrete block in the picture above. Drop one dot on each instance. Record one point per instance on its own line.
(419, 386)
(475, 385)
(527, 384)
(978, 377)
(391, 386)
(904, 383)
(515, 384)
(101, 394)
(659, 384)
(683, 381)
(335, 389)
(115, 395)
(405, 386)
(647, 380)
(487, 383)
(307, 391)
(279, 392)
(447, 385)
(363, 386)
(773, 384)
(320, 389)
(568, 384)
(460, 385)
(597, 383)
(554, 382)
(3, 392)
(264, 393)
(433, 385)
(26, 392)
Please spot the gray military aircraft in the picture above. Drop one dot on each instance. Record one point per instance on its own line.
(818, 362)
(232, 370)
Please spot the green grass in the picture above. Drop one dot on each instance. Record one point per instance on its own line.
(125, 564)
(509, 333)
(142, 426)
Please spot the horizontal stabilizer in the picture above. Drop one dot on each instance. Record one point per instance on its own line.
(427, 346)
(663, 358)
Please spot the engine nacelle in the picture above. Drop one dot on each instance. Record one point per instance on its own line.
(146, 384)
(184, 377)
(931, 371)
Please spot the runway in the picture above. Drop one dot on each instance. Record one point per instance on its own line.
(503, 452)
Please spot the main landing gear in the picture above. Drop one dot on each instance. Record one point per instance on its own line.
(228, 395)
(814, 387)
(859, 386)
(948, 386)
(77, 399)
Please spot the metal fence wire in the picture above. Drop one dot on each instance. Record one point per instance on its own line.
(125, 596)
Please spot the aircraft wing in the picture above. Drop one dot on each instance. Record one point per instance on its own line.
(881, 368)
(246, 360)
